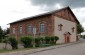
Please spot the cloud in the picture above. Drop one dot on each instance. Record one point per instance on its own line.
(52, 3)
(80, 14)
(12, 10)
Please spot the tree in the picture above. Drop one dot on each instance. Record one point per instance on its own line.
(80, 29)
(1, 33)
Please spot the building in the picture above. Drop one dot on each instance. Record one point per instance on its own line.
(61, 23)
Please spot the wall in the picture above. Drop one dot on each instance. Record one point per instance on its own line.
(35, 22)
(67, 27)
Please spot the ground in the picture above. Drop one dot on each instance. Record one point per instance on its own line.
(73, 49)
(76, 49)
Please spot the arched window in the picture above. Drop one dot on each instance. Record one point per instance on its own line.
(29, 28)
(20, 29)
(42, 27)
(13, 30)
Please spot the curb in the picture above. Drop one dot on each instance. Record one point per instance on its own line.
(26, 52)
(50, 48)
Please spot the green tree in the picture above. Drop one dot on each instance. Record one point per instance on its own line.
(6, 31)
(1, 33)
(80, 29)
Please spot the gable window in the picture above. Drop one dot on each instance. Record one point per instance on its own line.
(29, 28)
(60, 27)
(42, 27)
(73, 29)
(20, 29)
(13, 31)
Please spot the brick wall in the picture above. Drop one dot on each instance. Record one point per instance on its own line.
(35, 22)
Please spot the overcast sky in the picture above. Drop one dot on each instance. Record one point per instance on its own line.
(12, 10)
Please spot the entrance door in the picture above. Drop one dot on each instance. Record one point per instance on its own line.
(67, 38)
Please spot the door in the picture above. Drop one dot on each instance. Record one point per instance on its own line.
(67, 38)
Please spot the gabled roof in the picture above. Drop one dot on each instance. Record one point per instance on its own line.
(51, 12)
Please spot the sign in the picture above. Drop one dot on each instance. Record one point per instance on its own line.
(34, 30)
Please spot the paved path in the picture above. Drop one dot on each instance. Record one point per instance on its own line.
(76, 49)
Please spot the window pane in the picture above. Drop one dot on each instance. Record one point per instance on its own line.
(41, 27)
(29, 28)
(20, 30)
(13, 30)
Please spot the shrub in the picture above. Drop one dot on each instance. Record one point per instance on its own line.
(13, 42)
(52, 39)
(37, 40)
(83, 36)
(56, 39)
(27, 41)
(47, 39)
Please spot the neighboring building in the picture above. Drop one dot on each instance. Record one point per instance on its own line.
(61, 23)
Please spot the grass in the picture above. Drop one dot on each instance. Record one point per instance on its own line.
(7, 50)
(46, 45)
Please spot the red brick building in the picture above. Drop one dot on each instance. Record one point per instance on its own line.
(60, 22)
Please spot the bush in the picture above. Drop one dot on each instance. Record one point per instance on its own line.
(27, 41)
(83, 36)
(52, 39)
(13, 43)
(47, 39)
(37, 40)
(56, 39)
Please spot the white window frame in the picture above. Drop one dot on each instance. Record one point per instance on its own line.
(29, 29)
(42, 27)
(14, 30)
(20, 29)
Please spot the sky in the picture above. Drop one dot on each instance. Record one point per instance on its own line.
(12, 10)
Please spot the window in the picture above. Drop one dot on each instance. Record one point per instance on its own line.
(42, 26)
(73, 29)
(60, 27)
(13, 30)
(29, 28)
(20, 29)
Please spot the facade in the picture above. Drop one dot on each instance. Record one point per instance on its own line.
(61, 23)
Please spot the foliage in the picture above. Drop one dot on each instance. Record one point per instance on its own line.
(47, 39)
(3, 33)
(27, 41)
(13, 42)
(83, 36)
(6, 42)
(54, 39)
(80, 29)
(37, 40)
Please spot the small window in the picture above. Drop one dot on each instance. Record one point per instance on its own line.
(13, 30)
(29, 28)
(73, 29)
(60, 27)
(42, 27)
(20, 29)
